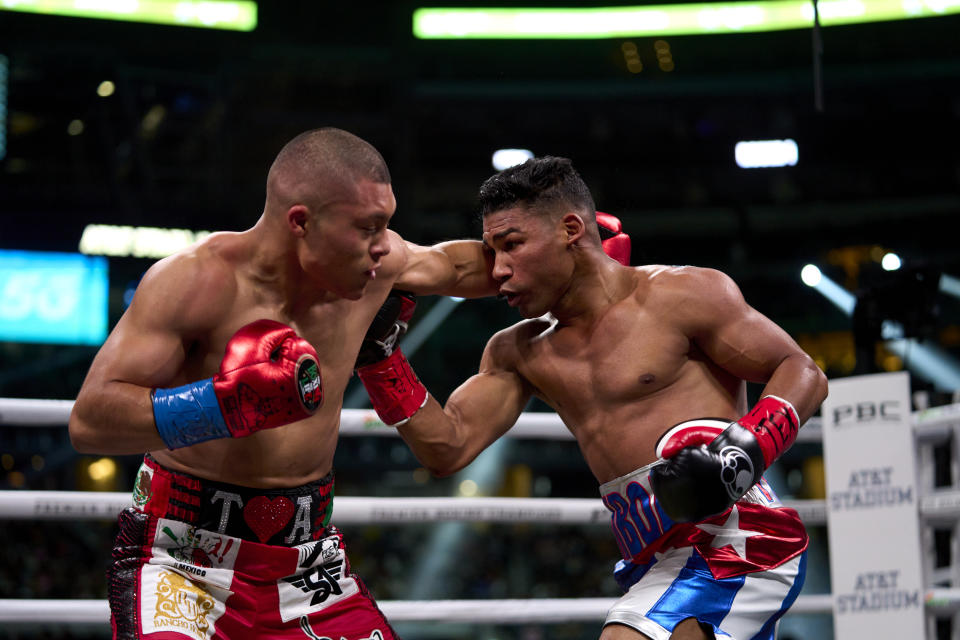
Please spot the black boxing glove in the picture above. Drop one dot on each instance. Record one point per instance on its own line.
(394, 389)
(708, 464)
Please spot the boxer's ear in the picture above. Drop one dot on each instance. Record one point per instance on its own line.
(297, 220)
(573, 227)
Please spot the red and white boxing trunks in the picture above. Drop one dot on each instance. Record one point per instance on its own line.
(737, 572)
(202, 560)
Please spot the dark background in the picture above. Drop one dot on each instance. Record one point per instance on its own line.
(198, 116)
(879, 165)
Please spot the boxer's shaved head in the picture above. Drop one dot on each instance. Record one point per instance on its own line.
(322, 165)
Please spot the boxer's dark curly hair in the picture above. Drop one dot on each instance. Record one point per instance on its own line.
(538, 183)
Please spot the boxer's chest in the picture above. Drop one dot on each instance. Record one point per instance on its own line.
(334, 330)
(625, 357)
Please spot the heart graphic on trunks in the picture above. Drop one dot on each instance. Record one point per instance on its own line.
(266, 517)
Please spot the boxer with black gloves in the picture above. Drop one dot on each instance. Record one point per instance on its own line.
(621, 353)
(395, 391)
(614, 241)
(707, 468)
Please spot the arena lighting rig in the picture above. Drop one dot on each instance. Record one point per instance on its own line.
(665, 19)
(231, 15)
(758, 154)
(920, 357)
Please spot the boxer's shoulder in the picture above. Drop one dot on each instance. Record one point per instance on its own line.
(511, 345)
(216, 256)
(194, 288)
(685, 288)
(669, 277)
(526, 331)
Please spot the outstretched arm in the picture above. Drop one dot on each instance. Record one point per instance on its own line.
(457, 268)
(446, 439)
(462, 268)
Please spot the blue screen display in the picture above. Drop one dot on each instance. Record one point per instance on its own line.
(53, 297)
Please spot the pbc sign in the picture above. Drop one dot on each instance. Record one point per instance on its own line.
(868, 412)
(877, 581)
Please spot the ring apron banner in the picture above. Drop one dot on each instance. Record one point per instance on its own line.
(872, 508)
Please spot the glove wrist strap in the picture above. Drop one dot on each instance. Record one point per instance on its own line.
(774, 423)
(189, 414)
(394, 389)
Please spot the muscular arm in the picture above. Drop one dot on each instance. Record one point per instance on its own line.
(457, 268)
(746, 343)
(478, 412)
(113, 412)
(696, 479)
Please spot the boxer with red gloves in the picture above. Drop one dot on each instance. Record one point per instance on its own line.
(233, 499)
(268, 377)
(707, 467)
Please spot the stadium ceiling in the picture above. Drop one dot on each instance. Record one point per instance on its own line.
(196, 116)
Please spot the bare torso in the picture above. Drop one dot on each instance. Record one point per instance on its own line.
(295, 453)
(621, 381)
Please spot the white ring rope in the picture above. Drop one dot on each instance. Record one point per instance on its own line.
(513, 611)
(94, 505)
(941, 506)
(544, 610)
(930, 424)
(23, 412)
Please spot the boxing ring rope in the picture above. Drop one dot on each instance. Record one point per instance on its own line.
(510, 611)
(23, 412)
(932, 426)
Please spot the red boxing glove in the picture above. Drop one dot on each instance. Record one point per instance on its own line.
(774, 423)
(614, 241)
(269, 376)
(691, 433)
(394, 389)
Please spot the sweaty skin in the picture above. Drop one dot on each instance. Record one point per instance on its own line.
(324, 274)
(624, 370)
(621, 353)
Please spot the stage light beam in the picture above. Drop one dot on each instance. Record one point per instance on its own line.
(950, 285)
(840, 297)
(921, 358)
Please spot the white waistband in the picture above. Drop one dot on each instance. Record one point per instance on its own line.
(639, 475)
